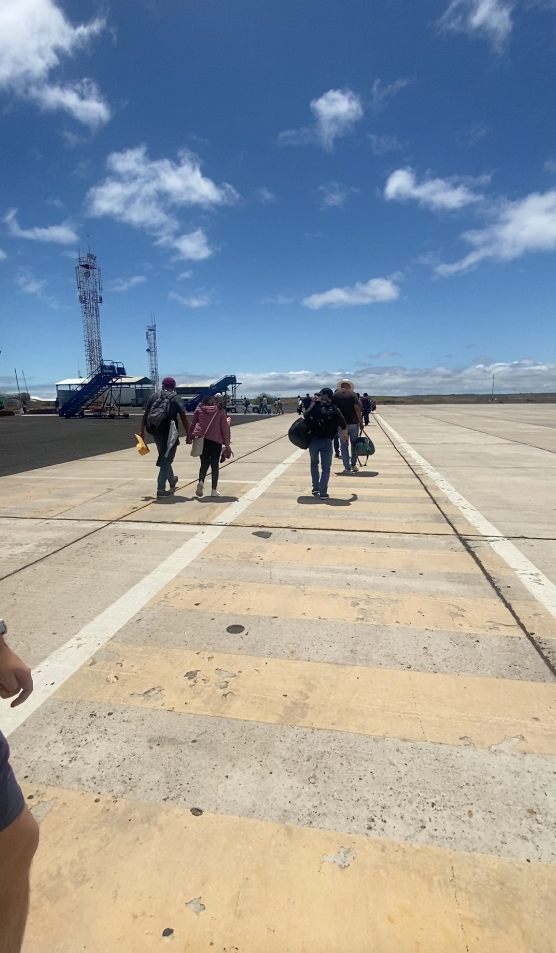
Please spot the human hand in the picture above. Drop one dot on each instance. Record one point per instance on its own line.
(15, 676)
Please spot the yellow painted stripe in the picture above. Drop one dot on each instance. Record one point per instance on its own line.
(457, 614)
(365, 491)
(412, 706)
(115, 874)
(536, 619)
(368, 557)
(405, 488)
(339, 521)
(365, 507)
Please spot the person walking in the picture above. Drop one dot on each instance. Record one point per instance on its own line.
(324, 420)
(306, 402)
(346, 401)
(246, 405)
(160, 420)
(19, 831)
(365, 408)
(211, 422)
(299, 405)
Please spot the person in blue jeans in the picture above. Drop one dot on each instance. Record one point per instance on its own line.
(347, 402)
(324, 420)
(166, 407)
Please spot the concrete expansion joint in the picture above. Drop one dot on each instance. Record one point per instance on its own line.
(493, 539)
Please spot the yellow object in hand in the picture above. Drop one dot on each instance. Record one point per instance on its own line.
(141, 445)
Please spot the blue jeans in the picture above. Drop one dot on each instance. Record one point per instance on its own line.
(165, 463)
(353, 433)
(320, 447)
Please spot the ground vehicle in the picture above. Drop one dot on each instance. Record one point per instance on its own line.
(235, 405)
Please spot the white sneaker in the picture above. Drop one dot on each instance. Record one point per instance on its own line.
(214, 493)
(200, 488)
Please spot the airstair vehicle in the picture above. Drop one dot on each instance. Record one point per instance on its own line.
(99, 395)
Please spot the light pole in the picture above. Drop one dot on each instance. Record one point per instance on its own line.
(492, 395)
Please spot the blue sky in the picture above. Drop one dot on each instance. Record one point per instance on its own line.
(295, 190)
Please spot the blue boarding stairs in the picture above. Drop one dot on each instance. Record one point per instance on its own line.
(107, 374)
(222, 385)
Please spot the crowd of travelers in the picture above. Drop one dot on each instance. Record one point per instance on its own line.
(334, 419)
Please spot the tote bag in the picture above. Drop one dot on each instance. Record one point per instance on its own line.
(197, 446)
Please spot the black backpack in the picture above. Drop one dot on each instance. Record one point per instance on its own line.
(158, 412)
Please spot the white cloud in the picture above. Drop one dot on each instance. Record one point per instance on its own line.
(184, 275)
(526, 225)
(144, 192)
(29, 284)
(383, 144)
(264, 195)
(437, 194)
(334, 194)
(63, 234)
(197, 300)
(384, 355)
(81, 99)
(3, 255)
(489, 18)
(335, 112)
(34, 36)
(523, 376)
(374, 291)
(124, 284)
(382, 95)
(277, 299)
(297, 137)
(191, 247)
(472, 134)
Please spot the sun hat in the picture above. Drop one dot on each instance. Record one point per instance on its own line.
(345, 385)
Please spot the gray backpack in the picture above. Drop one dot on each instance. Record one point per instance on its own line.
(158, 412)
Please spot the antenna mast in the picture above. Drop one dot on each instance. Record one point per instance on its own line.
(152, 352)
(89, 286)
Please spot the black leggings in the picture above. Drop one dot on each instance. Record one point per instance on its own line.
(210, 457)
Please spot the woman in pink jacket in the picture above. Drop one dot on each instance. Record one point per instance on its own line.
(210, 421)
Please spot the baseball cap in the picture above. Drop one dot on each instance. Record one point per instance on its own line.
(169, 383)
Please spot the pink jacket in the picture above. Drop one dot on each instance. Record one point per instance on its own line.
(210, 422)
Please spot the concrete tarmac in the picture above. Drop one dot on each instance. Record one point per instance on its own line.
(29, 441)
(269, 723)
(502, 458)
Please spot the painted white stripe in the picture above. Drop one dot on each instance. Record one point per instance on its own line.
(58, 667)
(532, 578)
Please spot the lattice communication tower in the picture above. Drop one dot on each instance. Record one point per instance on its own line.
(89, 286)
(152, 352)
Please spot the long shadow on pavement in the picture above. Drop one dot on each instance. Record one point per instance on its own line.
(316, 501)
